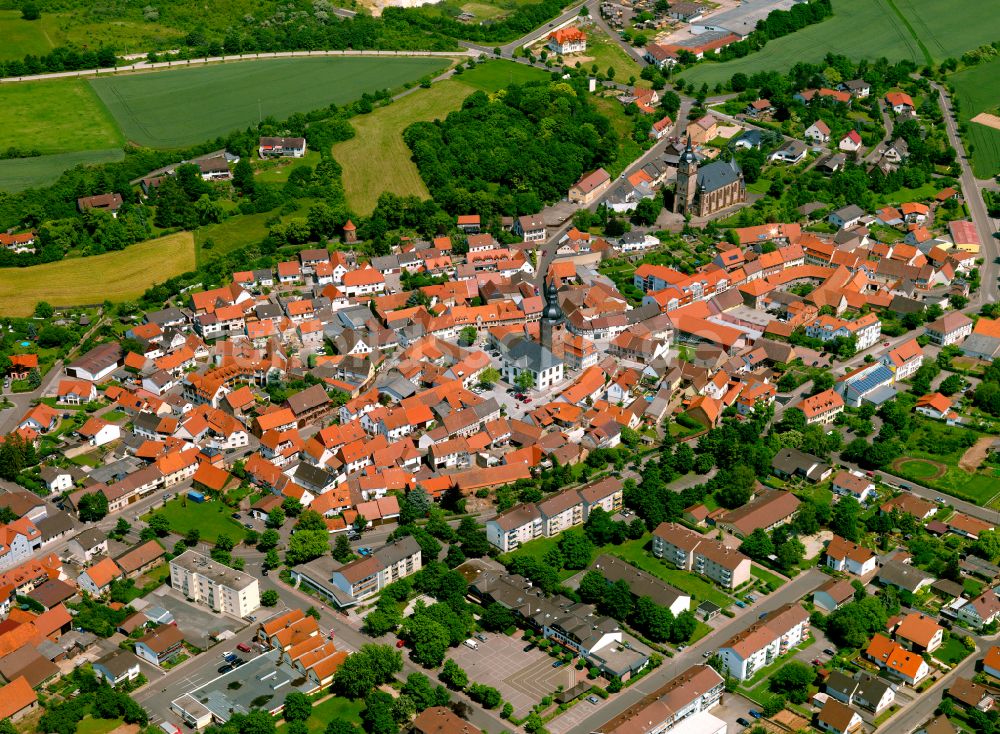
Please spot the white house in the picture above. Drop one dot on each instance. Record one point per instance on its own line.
(850, 142)
(818, 132)
(843, 555)
(849, 483)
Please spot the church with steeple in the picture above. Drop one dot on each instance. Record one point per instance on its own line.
(520, 353)
(702, 191)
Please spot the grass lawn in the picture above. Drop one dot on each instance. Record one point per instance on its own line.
(18, 174)
(760, 186)
(279, 170)
(918, 468)
(330, 709)
(21, 37)
(241, 92)
(90, 725)
(58, 116)
(113, 416)
(766, 576)
(866, 29)
(978, 90)
(116, 276)
(376, 159)
(498, 74)
(902, 196)
(231, 233)
(952, 651)
(628, 149)
(210, 518)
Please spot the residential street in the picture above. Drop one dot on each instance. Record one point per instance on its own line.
(798, 588)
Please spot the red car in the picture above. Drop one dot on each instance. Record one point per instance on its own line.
(243, 647)
(399, 643)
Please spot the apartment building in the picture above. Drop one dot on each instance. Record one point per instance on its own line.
(566, 509)
(691, 551)
(677, 706)
(222, 588)
(822, 407)
(762, 642)
(367, 576)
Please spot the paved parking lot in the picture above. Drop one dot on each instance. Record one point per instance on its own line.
(198, 623)
(523, 678)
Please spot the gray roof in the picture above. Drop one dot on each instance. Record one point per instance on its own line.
(530, 355)
(851, 211)
(902, 575)
(718, 174)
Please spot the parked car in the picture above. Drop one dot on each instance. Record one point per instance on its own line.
(817, 661)
(830, 651)
(755, 713)
(742, 722)
(230, 657)
(740, 604)
(248, 525)
(399, 643)
(480, 636)
(264, 572)
(594, 700)
(243, 647)
(558, 663)
(939, 500)
(225, 669)
(708, 653)
(529, 647)
(236, 516)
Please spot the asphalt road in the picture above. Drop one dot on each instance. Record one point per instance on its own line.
(798, 588)
(972, 188)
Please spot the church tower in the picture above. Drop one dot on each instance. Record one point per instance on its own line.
(552, 315)
(687, 180)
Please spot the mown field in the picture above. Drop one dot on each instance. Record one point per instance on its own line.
(21, 37)
(921, 30)
(115, 276)
(376, 159)
(59, 116)
(182, 107)
(978, 90)
(499, 74)
(17, 174)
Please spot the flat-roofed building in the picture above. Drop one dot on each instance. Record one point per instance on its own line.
(222, 588)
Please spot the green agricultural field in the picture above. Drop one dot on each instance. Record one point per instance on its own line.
(978, 90)
(896, 29)
(376, 159)
(17, 174)
(115, 276)
(498, 74)
(21, 37)
(205, 102)
(59, 116)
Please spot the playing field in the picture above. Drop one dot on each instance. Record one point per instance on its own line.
(21, 37)
(17, 174)
(376, 159)
(978, 90)
(170, 109)
(115, 276)
(58, 116)
(896, 29)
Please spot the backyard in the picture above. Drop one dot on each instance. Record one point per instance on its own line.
(335, 707)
